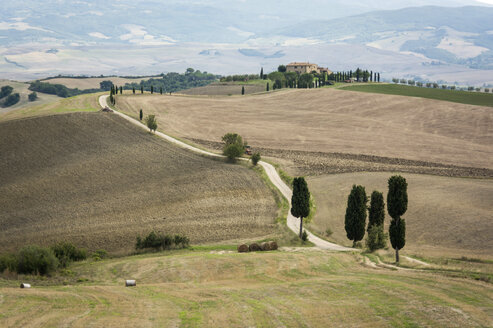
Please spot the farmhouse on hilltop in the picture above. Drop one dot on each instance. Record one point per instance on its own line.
(302, 68)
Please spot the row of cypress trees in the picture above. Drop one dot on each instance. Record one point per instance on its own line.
(356, 212)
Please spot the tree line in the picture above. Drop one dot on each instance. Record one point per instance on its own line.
(435, 85)
(58, 89)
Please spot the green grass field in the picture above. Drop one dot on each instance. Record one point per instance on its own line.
(462, 97)
(292, 288)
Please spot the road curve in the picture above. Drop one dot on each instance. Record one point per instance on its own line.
(292, 222)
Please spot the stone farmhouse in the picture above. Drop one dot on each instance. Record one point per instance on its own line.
(302, 68)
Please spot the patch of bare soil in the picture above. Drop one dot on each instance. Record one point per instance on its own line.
(318, 163)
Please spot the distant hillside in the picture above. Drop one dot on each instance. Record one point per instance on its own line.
(452, 35)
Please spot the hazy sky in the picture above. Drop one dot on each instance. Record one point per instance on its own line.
(487, 1)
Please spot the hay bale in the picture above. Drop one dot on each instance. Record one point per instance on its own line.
(265, 246)
(130, 283)
(23, 285)
(243, 248)
(273, 245)
(254, 247)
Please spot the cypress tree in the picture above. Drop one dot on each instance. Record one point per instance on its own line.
(300, 201)
(262, 73)
(267, 86)
(161, 90)
(141, 89)
(397, 206)
(376, 237)
(379, 77)
(376, 214)
(141, 114)
(355, 219)
(371, 76)
(133, 90)
(242, 90)
(116, 89)
(152, 89)
(121, 90)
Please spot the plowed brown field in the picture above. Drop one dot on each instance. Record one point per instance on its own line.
(96, 180)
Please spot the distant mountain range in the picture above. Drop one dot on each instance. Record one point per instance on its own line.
(138, 37)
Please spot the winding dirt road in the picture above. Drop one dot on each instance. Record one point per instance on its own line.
(292, 222)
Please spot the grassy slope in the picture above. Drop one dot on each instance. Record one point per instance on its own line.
(462, 97)
(97, 180)
(228, 88)
(445, 216)
(82, 103)
(22, 90)
(197, 289)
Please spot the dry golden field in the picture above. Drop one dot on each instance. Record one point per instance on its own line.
(445, 216)
(332, 121)
(307, 288)
(93, 82)
(98, 181)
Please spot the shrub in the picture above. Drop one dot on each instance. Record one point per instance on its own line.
(12, 100)
(255, 158)
(32, 96)
(376, 238)
(99, 255)
(151, 123)
(328, 232)
(159, 241)
(304, 236)
(36, 260)
(233, 145)
(486, 90)
(8, 261)
(452, 87)
(5, 91)
(67, 252)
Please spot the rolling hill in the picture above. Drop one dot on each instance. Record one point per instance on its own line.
(332, 121)
(96, 180)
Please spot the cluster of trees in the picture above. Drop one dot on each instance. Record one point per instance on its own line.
(159, 241)
(10, 98)
(284, 79)
(58, 89)
(173, 82)
(42, 260)
(239, 78)
(359, 74)
(356, 213)
(435, 85)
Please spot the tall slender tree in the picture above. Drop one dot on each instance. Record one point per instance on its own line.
(243, 90)
(133, 90)
(300, 201)
(378, 77)
(262, 73)
(355, 219)
(141, 89)
(397, 206)
(141, 114)
(267, 88)
(152, 89)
